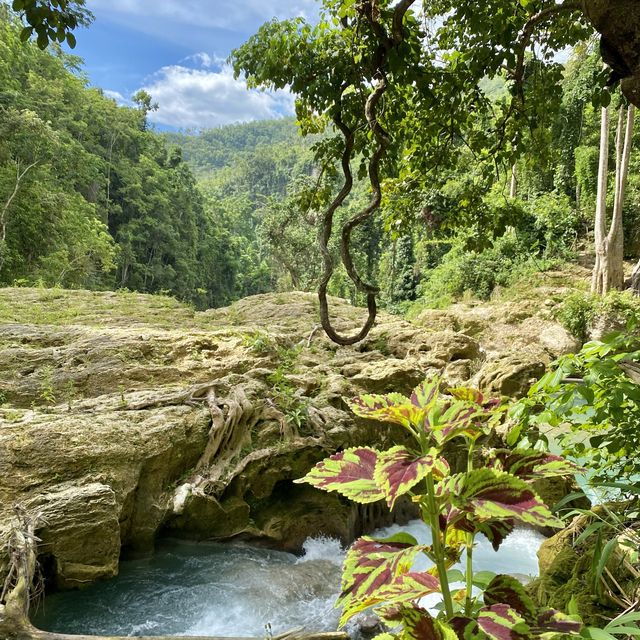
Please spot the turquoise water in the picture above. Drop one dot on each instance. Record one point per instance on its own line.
(234, 590)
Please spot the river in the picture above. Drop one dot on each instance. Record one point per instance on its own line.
(236, 590)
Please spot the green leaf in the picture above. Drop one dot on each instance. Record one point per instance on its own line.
(71, 40)
(481, 579)
(349, 473)
(593, 633)
(604, 557)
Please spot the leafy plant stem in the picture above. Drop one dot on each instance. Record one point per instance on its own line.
(470, 540)
(438, 550)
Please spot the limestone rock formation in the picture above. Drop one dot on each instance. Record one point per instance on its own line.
(122, 415)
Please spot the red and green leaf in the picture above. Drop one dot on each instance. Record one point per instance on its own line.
(486, 494)
(496, 531)
(501, 622)
(426, 393)
(409, 587)
(529, 464)
(398, 471)
(507, 590)
(552, 621)
(370, 567)
(468, 394)
(417, 623)
(349, 473)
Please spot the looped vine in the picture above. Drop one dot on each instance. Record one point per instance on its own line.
(368, 10)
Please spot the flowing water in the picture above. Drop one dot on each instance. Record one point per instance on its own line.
(234, 590)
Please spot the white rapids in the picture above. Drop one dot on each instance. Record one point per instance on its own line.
(237, 590)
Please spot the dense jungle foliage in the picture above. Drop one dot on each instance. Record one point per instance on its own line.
(92, 197)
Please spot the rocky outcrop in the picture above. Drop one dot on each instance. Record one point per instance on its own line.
(98, 475)
(511, 375)
(122, 415)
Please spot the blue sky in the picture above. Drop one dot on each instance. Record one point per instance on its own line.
(175, 49)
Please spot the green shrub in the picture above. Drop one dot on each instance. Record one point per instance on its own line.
(580, 310)
(479, 273)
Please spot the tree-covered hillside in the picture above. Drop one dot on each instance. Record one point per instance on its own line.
(91, 197)
(213, 149)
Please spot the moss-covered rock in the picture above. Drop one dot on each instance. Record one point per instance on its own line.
(569, 570)
(122, 414)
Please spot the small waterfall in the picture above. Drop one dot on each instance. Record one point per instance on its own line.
(235, 590)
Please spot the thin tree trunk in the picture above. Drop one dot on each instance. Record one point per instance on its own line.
(600, 267)
(615, 239)
(635, 279)
(608, 272)
(513, 190)
(5, 209)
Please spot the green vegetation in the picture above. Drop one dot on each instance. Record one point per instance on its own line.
(91, 198)
(487, 499)
(589, 405)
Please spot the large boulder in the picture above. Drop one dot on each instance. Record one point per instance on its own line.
(100, 478)
(511, 375)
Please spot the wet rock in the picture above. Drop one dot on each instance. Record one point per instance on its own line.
(80, 532)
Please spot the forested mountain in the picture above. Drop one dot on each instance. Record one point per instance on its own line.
(91, 197)
(213, 149)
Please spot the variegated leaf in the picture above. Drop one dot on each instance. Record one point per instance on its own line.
(457, 522)
(466, 628)
(398, 471)
(394, 408)
(370, 566)
(426, 393)
(417, 623)
(529, 464)
(507, 590)
(501, 622)
(458, 419)
(552, 621)
(409, 587)
(486, 494)
(468, 394)
(474, 396)
(349, 473)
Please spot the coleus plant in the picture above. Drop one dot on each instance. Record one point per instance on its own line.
(489, 499)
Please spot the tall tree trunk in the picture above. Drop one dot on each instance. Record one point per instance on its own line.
(600, 269)
(513, 191)
(608, 272)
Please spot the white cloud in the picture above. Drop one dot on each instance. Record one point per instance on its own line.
(117, 96)
(204, 98)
